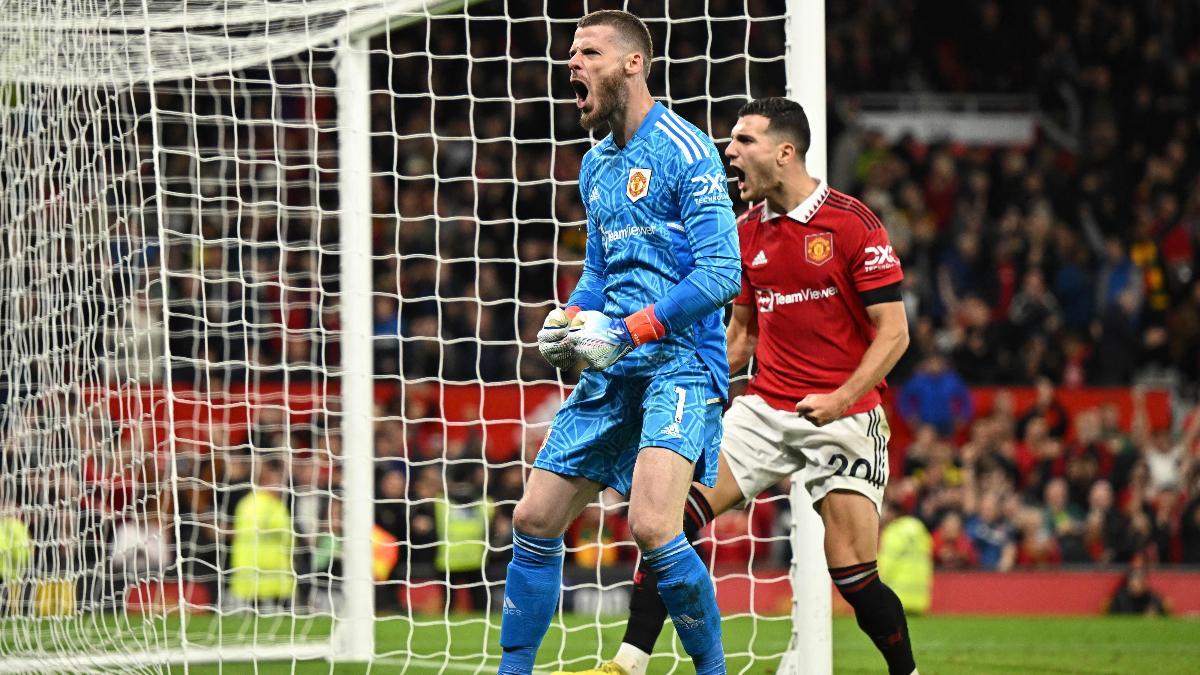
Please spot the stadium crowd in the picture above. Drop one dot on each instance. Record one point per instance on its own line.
(1071, 260)
(1051, 265)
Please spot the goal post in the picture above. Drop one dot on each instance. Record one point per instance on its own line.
(810, 651)
(354, 637)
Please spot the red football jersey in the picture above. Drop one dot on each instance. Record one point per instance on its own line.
(804, 271)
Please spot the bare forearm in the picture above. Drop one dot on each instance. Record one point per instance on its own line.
(741, 337)
(877, 362)
(739, 355)
(886, 349)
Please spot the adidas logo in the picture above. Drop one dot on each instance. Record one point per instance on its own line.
(689, 622)
(510, 607)
(595, 195)
(760, 259)
(672, 430)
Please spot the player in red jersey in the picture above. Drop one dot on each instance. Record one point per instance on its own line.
(820, 309)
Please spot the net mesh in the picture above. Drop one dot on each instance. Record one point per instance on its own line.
(172, 322)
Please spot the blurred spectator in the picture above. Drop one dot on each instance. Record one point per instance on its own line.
(16, 552)
(143, 548)
(906, 556)
(1134, 596)
(937, 396)
(978, 350)
(1036, 545)
(1189, 523)
(592, 539)
(1034, 309)
(1046, 406)
(462, 522)
(327, 550)
(992, 535)
(1104, 526)
(1164, 462)
(1064, 520)
(391, 505)
(425, 491)
(1119, 338)
(261, 552)
(743, 536)
(952, 548)
(136, 338)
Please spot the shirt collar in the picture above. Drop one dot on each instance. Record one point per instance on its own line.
(806, 209)
(656, 111)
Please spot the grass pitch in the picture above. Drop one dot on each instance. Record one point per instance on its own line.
(956, 644)
(992, 645)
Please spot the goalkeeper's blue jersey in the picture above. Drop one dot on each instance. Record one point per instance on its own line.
(661, 231)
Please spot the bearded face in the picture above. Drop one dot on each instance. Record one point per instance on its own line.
(606, 96)
(598, 75)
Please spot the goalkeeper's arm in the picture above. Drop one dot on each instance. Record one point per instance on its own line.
(715, 280)
(711, 230)
(712, 236)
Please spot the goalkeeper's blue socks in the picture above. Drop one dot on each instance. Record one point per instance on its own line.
(687, 591)
(646, 609)
(530, 597)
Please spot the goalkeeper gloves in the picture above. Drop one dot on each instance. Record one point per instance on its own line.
(552, 338)
(602, 341)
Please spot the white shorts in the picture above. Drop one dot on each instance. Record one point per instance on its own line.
(764, 445)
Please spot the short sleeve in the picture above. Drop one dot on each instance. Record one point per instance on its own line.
(874, 264)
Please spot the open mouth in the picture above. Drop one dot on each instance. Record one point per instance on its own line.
(740, 176)
(581, 93)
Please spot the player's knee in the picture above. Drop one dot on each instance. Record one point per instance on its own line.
(532, 520)
(652, 530)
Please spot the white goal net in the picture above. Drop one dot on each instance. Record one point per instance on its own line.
(269, 268)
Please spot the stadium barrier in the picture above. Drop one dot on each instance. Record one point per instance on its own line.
(1042, 592)
(767, 593)
(501, 414)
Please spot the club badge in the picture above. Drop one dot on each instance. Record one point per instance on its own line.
(818, 248)
(638, 185)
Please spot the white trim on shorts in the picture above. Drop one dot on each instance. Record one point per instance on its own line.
(763, 445)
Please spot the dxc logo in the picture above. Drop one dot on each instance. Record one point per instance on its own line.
(879, 257)
(712, 187)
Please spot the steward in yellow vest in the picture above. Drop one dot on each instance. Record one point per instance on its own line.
(906, 562)
(261, 553)
(463, 520)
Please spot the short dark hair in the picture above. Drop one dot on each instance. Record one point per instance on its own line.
(631, 29)
(785, 117)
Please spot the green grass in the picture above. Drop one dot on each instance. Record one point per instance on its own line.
(943, 644)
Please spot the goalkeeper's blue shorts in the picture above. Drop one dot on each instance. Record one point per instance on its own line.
(611, 415)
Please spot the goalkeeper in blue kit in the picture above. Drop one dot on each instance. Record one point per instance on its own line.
(662, 261)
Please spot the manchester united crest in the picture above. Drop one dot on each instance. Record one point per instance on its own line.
(818, 248)
(638, 185)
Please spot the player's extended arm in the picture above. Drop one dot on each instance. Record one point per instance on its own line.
(742, 336)
(891, 339)
(712, 235)
(714, 281)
